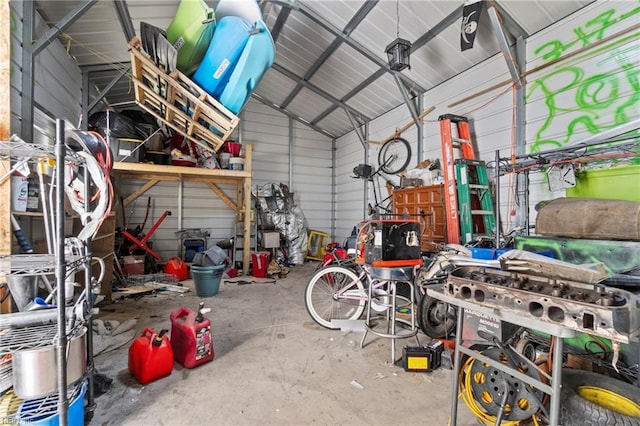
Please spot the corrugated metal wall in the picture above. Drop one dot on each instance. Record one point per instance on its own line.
(302, 162)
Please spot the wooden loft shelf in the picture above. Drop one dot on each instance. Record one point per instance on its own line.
(154, 173)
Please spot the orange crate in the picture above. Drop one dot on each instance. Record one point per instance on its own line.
(179, 103)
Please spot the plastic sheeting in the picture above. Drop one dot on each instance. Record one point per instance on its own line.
(278, 210)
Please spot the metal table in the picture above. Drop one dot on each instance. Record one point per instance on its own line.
(516, 318)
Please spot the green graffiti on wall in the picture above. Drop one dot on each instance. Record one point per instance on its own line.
(590, 99)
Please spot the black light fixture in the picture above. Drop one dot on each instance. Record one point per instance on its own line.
(398, 50)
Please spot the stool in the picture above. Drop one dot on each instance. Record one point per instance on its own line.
(390, 301)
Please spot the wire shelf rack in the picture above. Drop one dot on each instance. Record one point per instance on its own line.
(22, 338)
(160, 278)
(17, 148)
(35, 264)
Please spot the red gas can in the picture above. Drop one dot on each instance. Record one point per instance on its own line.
(150, 356)
(191, 336)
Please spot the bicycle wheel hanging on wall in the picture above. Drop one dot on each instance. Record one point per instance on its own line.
(394, 156)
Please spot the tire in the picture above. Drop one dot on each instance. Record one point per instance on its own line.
(436, 318)
(319, 298)
(394, 156)
(618, 402)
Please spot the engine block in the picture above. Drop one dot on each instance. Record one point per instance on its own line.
(593, 309)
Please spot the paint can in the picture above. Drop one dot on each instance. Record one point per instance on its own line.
(236, 163)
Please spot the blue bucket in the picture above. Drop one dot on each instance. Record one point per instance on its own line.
(44, 411)
(207, 279)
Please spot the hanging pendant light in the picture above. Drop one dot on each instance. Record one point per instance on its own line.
(398, 50)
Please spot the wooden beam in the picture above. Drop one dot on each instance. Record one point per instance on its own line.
(228, 201)
(5, 124)
(144, 188)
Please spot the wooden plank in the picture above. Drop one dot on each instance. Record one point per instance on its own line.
(5, 124)
(223, 196)
(144, 188)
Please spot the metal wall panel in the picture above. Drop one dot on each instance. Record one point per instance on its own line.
(349, 192)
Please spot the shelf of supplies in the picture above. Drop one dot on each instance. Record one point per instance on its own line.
(34, 264)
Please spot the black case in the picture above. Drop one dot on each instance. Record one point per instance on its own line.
(390, 239)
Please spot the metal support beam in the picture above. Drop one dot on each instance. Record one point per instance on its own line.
(437, 29)
(407, 101)
(280, 21)
(356, 127)
(122, 10)
(373, 77)
(105, 67)
(28, 79)
(315, 17)
(522, 187)
(123, 72)
(313, 88)
(510, 24)
(289, 114)
(420, 130)
(84, 122)
(512, 65)
(62, 25)
(291, 145)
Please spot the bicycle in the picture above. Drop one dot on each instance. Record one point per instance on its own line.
(394, 156)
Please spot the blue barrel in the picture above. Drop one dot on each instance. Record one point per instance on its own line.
(227, 44)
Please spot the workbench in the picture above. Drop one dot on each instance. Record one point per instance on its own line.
(154, 173)
(513, 317)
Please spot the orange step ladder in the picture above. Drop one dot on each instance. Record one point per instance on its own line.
(463, 142)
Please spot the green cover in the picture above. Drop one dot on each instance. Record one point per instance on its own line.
(190, 32)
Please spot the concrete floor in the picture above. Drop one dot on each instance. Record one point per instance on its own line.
(273, 365)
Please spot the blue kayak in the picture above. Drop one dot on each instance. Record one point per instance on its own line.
(256, 59)
(229, 40)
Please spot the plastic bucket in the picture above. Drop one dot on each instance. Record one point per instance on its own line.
(224, 159)
(207, 279)
(233, 148)
(236, 163)
(44, 411)
(259, 263)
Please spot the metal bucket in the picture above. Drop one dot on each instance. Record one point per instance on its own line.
(35, 370)
(23, 288)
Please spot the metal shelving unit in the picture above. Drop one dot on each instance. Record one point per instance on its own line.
(44, 328)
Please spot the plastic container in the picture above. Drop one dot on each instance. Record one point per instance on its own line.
(224, 158)
(236, 163)
(259, 264)
(229, 39)
(44, 411)
(150, 356)
(176, 266)
(206, 279)
(191, 336)
(614, 183)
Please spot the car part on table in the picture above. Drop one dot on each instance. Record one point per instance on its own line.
(592, 309)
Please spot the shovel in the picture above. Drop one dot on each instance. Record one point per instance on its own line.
(155, 43)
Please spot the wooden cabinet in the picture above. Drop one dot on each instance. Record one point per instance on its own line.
(427, 200)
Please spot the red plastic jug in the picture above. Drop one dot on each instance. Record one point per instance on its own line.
(150, 356)
(191, 336)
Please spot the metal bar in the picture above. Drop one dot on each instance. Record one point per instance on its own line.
(456, 368)
(356, 127)
(291, 147)
(122, 10)
(376, 75)
(556, 382)
(497, 184)
(420, 130)
(289, 114)
(123, 72)
(61, 26)
(28, 78)
(512, 66)
(510, 24)
(60, 274)
(522, 209)
(105, 67)
(311, 14)
(280, 21)
(84, 120)
(437, 29)
(407, 101)
(91, 405)
(311, 86)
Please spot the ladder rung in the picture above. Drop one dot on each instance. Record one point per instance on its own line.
(460, 140)
(478, 186)
(482, 212)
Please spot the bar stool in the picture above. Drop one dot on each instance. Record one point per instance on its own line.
(383, 293)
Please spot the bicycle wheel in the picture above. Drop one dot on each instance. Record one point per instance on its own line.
(394, 156)
(322, 302)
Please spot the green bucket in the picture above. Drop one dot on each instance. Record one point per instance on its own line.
(207, 279)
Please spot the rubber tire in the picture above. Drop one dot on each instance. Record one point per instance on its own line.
(435, 330)
(354, 308)
(388, 168)
(577, 411)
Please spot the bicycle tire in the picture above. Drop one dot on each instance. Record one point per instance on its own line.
(319, 296)
(394, 156)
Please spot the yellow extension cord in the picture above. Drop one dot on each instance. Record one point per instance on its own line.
(464, 383)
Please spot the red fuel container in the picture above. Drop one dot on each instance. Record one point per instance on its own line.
(150, 356)
(191, 336)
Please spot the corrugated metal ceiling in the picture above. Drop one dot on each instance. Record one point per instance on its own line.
(329, 54)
